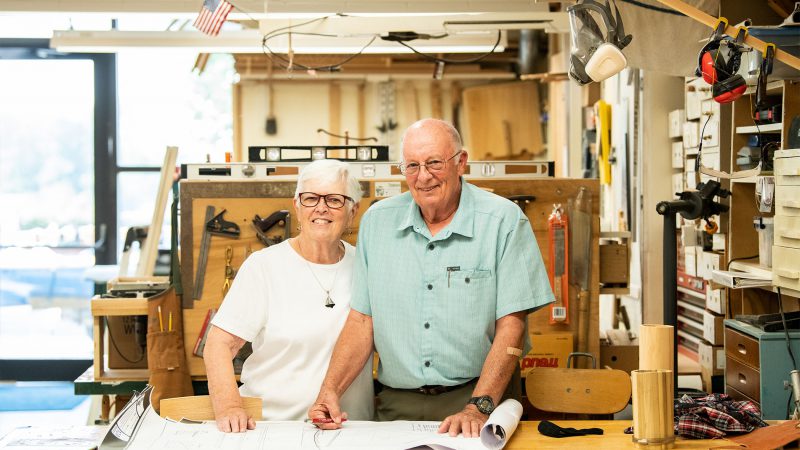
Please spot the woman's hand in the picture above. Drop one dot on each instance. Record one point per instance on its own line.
(235, 420)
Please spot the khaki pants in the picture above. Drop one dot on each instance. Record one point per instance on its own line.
(395, 404)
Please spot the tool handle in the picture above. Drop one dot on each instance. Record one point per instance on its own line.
(583, 321)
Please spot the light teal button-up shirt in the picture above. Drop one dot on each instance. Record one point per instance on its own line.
(434, 300)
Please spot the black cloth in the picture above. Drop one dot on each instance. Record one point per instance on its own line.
(548, 428)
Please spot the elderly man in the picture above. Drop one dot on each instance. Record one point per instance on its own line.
(445, 277)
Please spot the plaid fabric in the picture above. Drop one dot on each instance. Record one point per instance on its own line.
(713, 416)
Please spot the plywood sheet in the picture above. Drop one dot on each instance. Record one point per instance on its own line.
(503, 121)
(244, 199)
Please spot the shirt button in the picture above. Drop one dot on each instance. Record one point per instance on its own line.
(427, 325)
(431, 246)
(430, 286)
(427, 363)
(466, 280)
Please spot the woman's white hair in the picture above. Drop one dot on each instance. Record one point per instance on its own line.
(330, 171)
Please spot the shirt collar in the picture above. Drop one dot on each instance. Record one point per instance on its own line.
(462, 223)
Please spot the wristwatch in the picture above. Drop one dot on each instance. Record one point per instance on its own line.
(484, 403)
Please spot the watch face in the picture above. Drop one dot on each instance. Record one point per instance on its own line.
(484, 404)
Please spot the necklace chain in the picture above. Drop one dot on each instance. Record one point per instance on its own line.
(329, 303)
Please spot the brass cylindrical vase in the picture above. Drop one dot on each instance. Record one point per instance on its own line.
(653, 413)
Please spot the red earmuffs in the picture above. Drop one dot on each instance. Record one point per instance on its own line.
(718, 63)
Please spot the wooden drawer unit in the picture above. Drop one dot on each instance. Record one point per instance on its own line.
(787, 200)
(787, 231)
(757, 365)
(741, 347)
(787, 167)
(786, 267)
(743, 378)
(736, 395)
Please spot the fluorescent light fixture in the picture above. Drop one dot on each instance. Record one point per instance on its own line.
(249, 41)
(395, 6)
(424, 23)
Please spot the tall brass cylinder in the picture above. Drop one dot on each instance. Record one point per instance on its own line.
(653, 413)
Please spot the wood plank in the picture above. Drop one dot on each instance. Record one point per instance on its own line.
(493, 112)
(335, 112)
(147, 257)
(711, 22)
(119, 306)
(436, 100)
(239, 154)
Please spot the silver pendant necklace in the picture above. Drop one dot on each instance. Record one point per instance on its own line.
(329, 303)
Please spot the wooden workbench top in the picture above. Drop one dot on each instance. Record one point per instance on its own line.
(528, 437)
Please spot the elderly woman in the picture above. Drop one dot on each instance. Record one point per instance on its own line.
(291, 300)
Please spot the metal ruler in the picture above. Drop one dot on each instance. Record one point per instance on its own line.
(287, 171)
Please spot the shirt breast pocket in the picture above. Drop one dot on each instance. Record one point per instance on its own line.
(472, 287)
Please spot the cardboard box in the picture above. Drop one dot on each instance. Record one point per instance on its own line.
(614, 265)
(718, 242)
(691, 134)
(690, 260)
(127, 342)
(621, 357)
(547, 350)
(676, 119)
(712, 328)
(712, 357)
(677, 155)
(716, 300)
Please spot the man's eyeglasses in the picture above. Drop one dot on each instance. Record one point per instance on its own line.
(334, 201)
(434, 165)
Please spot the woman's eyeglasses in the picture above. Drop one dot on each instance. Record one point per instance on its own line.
(333, 201)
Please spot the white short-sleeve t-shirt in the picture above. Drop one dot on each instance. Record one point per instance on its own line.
(276, 303)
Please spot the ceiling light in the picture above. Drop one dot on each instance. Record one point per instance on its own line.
(249, 41)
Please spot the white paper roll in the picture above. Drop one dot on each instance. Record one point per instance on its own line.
(501, 424)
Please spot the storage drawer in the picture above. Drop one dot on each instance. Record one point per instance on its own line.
(743, 378)
(677, 155)
(787, 200)
(787, 231)
(787, 171)
(738, 396)
(710, 157)
(786, 267)
(742, 348)
(691, 135)
(710, 137)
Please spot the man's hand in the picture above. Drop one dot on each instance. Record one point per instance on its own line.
(467, 422)
(326, 410)
(235, 420)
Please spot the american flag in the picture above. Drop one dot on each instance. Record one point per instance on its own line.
(212, 16)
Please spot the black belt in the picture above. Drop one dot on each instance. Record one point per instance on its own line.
(429, 389)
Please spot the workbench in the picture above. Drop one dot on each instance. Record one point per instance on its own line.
(527, 437)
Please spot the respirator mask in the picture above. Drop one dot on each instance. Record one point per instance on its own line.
(594, 55)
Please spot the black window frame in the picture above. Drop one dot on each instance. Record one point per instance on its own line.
(105, 186)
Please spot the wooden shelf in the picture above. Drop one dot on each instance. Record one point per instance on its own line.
(751, 267)
(119, 306)
(767, 128)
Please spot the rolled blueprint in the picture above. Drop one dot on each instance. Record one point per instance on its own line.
(656, 347)
(501, 424)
